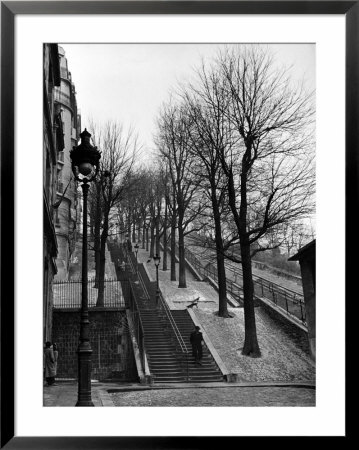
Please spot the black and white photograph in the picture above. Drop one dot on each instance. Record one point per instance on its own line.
(179, 211)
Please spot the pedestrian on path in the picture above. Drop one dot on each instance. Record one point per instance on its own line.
(49, 358)
(56, 356)
(196, 339)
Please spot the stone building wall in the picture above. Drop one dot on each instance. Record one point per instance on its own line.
(68, 210)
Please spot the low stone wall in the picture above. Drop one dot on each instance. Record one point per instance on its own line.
(112, 356)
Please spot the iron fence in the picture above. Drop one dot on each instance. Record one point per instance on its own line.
(67, 294)
(289, 301)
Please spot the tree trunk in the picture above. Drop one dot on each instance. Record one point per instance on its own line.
(181, 256)
(134, 230)
(139, 231)
(146, 238)
(152, 246)
(129, 225)
(97, 234)
(221, 272)
(173, 240)
(164, 265)
(101, 278)
(143, 235)
(250, 347)
(158, 248)
(173, 248)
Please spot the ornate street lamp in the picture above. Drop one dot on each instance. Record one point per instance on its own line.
(85, 165)
(157, 260)
(136, 251)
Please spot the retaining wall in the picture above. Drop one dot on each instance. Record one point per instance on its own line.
(112, 356)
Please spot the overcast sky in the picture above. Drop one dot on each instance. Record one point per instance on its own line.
(129, 82)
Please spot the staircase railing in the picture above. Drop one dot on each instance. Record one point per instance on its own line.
(136, 319)
(163, 307)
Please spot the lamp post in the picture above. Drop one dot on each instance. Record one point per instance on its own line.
(157, 260)
(85, 164)
(136, 251)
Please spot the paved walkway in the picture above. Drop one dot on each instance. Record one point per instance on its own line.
(221, 396)
(65, 394)
(209, 394)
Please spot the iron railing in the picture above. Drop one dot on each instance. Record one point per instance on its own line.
(162, 306)
(288, 300)
(291, 302)
(179, 342)
(67, 294)
(137, 323)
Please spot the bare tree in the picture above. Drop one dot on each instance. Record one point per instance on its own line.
(173, 143)
(210, 133)
(269, 174)
(119, 150)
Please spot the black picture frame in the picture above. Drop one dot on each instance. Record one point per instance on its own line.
(9, 10)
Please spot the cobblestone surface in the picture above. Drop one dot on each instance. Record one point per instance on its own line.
(226, 396)
(282, 359)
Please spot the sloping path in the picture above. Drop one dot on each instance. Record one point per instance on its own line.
(284, 356)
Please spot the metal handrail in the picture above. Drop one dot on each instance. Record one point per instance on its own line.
(133, 270)
(177, 333)
(147, 295)
(165, 308)
(255, 277)
(289, 295)
(274, 284)
(136, 310)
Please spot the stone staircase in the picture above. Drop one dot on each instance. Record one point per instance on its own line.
(166, 360)
(209, 371)
(163, 358)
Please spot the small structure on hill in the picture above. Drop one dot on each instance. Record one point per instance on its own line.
(306, 258)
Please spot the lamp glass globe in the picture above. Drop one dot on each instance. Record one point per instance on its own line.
(85, 168)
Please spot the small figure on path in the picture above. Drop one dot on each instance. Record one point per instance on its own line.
(56, 356)
(196, 339)
(49, 364)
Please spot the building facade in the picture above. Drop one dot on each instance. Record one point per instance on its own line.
(53, 144)
(306, 258)
(67, 206)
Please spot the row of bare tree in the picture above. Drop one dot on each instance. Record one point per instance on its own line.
(235, 157)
